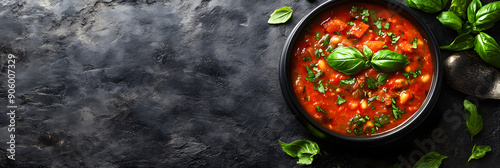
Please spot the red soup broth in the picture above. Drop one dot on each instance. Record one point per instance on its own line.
(363, 104)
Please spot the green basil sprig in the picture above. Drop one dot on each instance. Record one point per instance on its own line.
(479, 151)
(451, 20)
(486, 16)
(280, 15)
(474, 121)
(459, 7)
(431, 159)
(350, 61)
(462, 42)
(488, 49)
(347, 60)
(474, 6)
(429, 6)
(305, 150)
(388, 61)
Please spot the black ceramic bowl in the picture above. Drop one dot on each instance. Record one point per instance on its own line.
(390, 136)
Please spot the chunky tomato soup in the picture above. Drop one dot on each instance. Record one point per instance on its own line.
(370, 102)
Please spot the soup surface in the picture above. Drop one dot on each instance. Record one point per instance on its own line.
(370, 102)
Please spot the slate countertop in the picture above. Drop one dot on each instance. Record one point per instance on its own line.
(183, 83)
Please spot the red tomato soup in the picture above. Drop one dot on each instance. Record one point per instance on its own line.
(370, 102)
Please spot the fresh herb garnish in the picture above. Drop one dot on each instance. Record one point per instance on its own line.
(395, 110)
(326, 40)
(382, 78)
(431, 159)
(318, 36)
(306, 59)
(378, 24)
(280, 15)
(370, 82)
(479, 151)
(414, 43)
(319, 53)
(305, 150)
(347, 60)
(386, 26)
(349, 81)
(474, 121)
(318, 109)
(350, 23)
(340, 100)
(321, 88)
(394, 39)
(388, 61)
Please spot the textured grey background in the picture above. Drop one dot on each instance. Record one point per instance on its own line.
(179, 83)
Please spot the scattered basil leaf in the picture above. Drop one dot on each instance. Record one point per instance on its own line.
(431, 159)
(462, 42)
(414, 43)
(370, 82)
(387, 61)
(451, 20)
(326, 40)
(459, 7)
(395, 110)
(466, 28)
(280, 15)
(395, 39)
(368, 52)
(347, 60)
(486, 16)
(319, 53)
(474, 6)
(365, 19)
(305, 150)
(378, 24)
(318, 109)
(340, 100)
(387, 25)
(429, 6)
(306, 59)
(488, 49)
(382, 78)
(474, 121)
(390, 33)
(318, 36)
(321, 88)
(349, 81)
(479, 151)
(310, 74)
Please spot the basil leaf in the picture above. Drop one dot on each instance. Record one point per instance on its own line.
(429, 6)
(370, 82)
(382, 78)
(488, 49)
(472, 9)
(305, 150)
(340, 100)
(486, 16)
(451, 20)
(349, 81)
(280, 15)
(474, 121)
(387, 61)
(368, 52)
(431, 159)
(459, 7)
(462, 42)
(479, 151)
(466, 28)
(347, 60)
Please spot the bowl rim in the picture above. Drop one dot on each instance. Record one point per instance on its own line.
(389, 136)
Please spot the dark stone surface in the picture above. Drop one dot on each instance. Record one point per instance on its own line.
(178, 83)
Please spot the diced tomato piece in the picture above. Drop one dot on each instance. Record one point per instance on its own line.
(375, 45)
(334, 25)
(359, 29)
(405, 46)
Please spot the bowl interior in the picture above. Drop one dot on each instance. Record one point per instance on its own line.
(382, 138)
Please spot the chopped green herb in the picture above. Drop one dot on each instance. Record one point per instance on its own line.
(378, 24)
(373, 107)
(320, 110)
(348, 131)
(384, 46)
(382, 78)
(414, 43)
(349, 81)
(319, 53)
(365, 19)
(385, 90)
(386, 26)
(380, 33)
(318, 36)
(395, 39)
(337, 33)
(390, 33)
(306, 59)
(310, 75)
(367, 117)
(354, 8)
(365, 12)
(321, 88)
(418, 71)
(372, 98)
(361, 85)
(371, 83)
(350, 23)
(340, 100)
(392, 15)
(395, 110)
(326, 40)
(330, 48)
